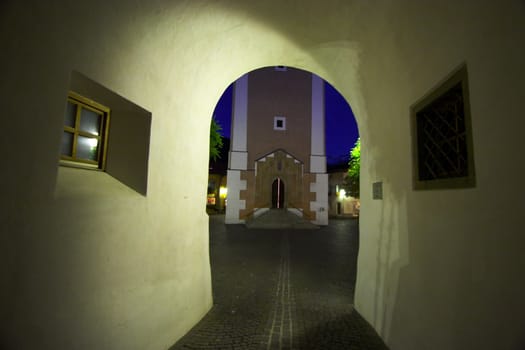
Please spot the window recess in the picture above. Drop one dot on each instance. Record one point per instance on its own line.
(279, 123)
(443, 154)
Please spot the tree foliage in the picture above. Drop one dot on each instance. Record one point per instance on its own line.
(355, 160)
(215, 140)
(354, 168)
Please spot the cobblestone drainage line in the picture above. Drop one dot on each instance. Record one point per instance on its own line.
(281, 329)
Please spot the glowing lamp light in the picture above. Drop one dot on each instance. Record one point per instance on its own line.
(342, 194)
(223, 191)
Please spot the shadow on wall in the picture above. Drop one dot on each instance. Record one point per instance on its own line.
(433, 285)
(455, 285)
(392, 256)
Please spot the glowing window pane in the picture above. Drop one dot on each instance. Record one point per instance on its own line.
(90, 121)
(87, 148)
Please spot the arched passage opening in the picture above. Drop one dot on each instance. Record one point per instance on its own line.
(284, 146)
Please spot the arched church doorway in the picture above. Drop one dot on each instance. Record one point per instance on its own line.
(278, 193)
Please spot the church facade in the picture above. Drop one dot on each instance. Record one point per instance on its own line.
(277, 155)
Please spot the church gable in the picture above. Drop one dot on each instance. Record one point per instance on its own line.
(278, 155)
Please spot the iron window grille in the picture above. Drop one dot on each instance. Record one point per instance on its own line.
(442, 136)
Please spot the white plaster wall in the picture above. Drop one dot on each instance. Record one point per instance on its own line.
(100, 266)
(108, 268)
(118, 270)
(442, 269)
(95, 265)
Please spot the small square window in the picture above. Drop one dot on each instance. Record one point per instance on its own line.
(279, 123)
(84, 137)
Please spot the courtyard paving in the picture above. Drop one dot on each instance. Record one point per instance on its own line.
(282, 289)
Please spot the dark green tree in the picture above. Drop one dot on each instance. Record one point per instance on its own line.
(354, 168)
(215, 140)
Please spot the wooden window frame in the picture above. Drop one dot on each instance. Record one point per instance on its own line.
(88, 104)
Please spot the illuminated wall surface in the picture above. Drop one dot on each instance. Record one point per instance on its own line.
(88, 262)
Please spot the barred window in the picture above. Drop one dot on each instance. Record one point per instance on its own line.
(442, 136)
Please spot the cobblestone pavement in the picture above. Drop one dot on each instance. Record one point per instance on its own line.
(282, 289)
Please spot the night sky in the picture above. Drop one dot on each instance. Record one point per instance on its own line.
(341, 127)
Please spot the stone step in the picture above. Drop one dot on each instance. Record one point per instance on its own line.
(279, 219)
